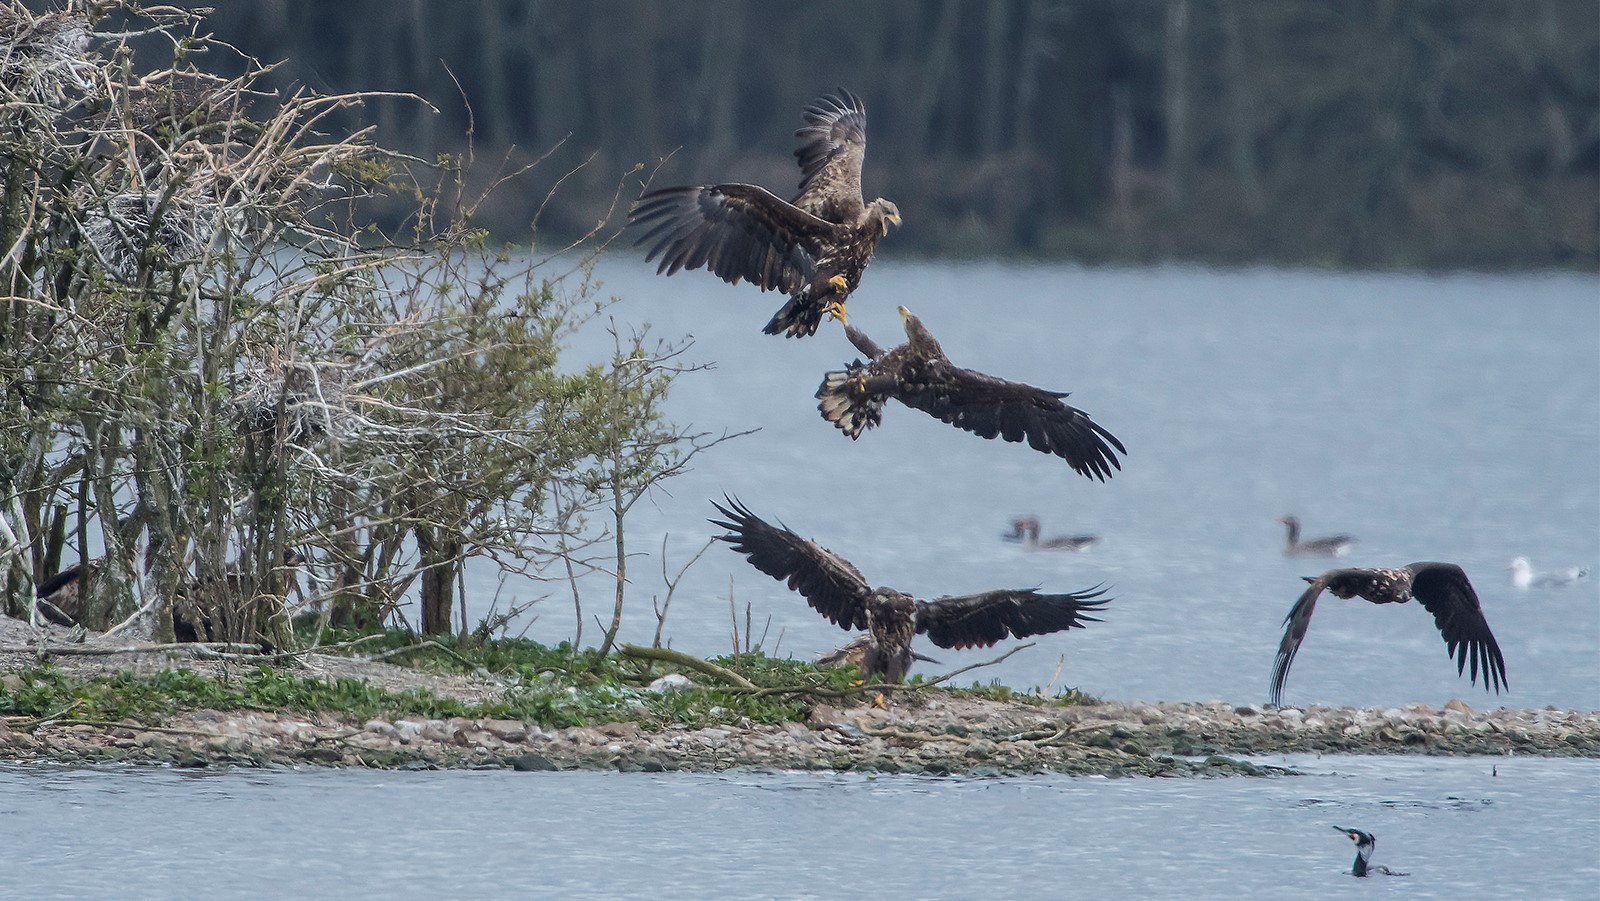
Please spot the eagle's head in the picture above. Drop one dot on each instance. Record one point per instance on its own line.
(886, 213)
(918, 336)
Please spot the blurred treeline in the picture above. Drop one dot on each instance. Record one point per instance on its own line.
(1358, 133)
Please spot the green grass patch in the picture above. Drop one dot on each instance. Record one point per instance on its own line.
(550, 686)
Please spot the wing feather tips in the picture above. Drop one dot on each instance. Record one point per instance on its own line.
(1446, 592)
(985, 619)
(1295, 623)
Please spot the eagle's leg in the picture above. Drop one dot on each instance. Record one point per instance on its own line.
(836, 308)
(878, 702)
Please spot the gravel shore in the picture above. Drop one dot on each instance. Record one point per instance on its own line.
(936, 735)
(932, 731)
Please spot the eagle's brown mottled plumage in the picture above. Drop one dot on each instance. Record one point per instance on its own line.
(813, 249)
(918, 374)
(1441, 588)
(838, 591)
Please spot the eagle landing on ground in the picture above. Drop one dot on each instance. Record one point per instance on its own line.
(837, 590)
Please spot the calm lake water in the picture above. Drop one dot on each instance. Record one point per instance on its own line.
(1528, 832)
(1447, 418)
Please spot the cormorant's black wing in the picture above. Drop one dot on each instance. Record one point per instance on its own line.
(1298, 620)
(980, 620)
(1444, 590)
(988, 406)
(736, 231)
(829, 583)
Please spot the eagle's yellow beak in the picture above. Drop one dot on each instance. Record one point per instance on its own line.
(904, 313)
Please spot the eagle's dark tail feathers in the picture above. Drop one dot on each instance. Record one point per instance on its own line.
(799, 318)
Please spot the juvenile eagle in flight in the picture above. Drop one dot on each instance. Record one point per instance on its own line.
(813, 249)
(918, 374)
(838, 591)
(1441, 588)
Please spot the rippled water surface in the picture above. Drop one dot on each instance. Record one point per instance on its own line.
(1531, 831)
(1433, 417)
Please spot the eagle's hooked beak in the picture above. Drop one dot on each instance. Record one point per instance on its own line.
(904, 314)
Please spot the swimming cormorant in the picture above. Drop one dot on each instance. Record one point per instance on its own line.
(1365, 845)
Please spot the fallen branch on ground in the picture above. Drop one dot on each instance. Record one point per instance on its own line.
(667, 655)
(967, 669)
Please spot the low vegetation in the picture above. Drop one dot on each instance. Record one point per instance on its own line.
(548, 686)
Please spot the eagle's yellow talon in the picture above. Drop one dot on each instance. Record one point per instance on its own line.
(878, 702)
(840, 282)
(836, 310)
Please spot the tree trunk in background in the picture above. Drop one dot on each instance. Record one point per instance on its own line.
(1175, 55)
(941, 49)
(1121, 157)
(439, 559)
(1001, 62)
(1031, 49)
(719, 87)
(1241, 106)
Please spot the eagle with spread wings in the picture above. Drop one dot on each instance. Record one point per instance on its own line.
(918, 374)
(814, 249)
(1441, 588)
(837, 590)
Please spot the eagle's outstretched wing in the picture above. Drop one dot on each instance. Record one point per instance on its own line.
(1443, 589)
(833, 144)
(829, 583)
(737, 231)
(989, 407)
(980, 620)
(1296, 623)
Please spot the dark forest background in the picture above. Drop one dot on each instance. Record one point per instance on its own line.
(1368, 133)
